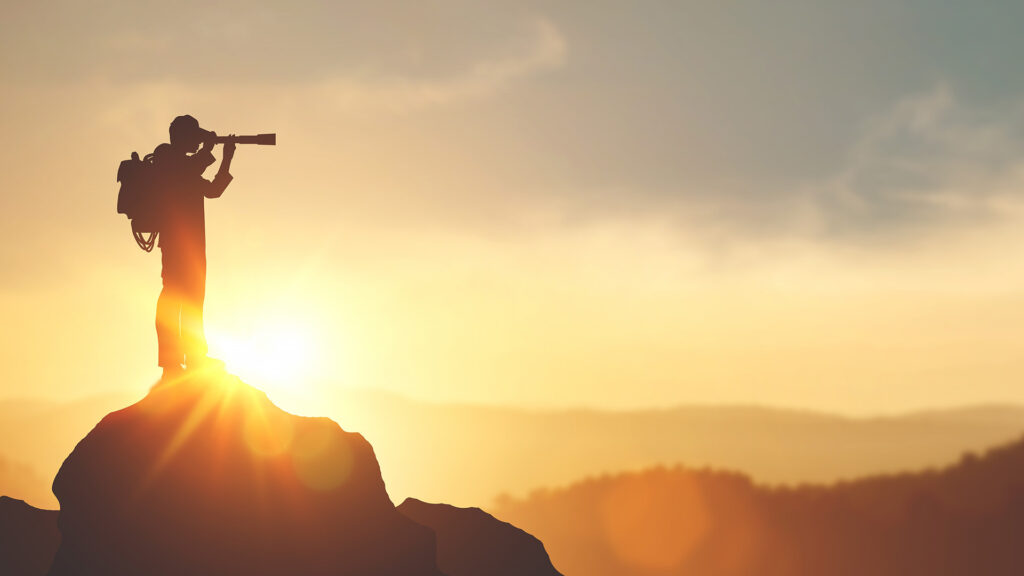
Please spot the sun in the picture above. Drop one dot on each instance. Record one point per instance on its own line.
(281, 354)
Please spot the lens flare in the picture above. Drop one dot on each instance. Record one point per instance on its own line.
(279, 355)
(321, 462)
(655, 521)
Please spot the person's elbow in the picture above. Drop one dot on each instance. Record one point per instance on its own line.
(215, 191)
(218, 186)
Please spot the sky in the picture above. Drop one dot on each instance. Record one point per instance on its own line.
(607, 204)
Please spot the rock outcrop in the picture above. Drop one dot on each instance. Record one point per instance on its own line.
(207, 476)
(28, 538)
(471, 542)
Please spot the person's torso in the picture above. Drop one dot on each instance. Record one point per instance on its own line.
(183, 214)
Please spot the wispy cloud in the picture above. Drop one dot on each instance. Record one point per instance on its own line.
(544, 49)
(929, 160)
(538, 48)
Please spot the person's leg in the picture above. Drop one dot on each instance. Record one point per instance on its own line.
(168, 333)
(192, 333)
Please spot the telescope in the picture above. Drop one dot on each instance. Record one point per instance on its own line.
(262, 139)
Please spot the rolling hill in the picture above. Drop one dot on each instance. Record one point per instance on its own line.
(962, 520)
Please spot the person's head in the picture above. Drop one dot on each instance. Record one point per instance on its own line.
(186, 135)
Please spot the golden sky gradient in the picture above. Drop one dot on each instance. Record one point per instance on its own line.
(564, 204)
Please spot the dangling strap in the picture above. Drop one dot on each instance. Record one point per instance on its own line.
(145, 242)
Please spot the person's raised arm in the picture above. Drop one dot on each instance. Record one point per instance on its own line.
(223, 177)
(203, 158)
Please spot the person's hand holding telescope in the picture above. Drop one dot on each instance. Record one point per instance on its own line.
(229, 149)
(211, 139)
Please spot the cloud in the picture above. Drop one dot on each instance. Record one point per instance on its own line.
(544, 49)
(930, 161)
(262, 42)
(537, 47)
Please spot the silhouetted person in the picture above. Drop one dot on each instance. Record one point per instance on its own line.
(179, 310)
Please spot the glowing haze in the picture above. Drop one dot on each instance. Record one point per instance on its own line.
(637, 204)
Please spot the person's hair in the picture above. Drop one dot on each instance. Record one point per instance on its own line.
(184, 128)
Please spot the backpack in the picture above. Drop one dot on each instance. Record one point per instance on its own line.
(139, 198)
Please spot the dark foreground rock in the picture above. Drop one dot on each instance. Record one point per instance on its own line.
(207, 476)
(471, 542)
(28, 538)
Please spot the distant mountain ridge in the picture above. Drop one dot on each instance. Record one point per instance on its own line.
(556, 447)
(774, 446)
(963, 520)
